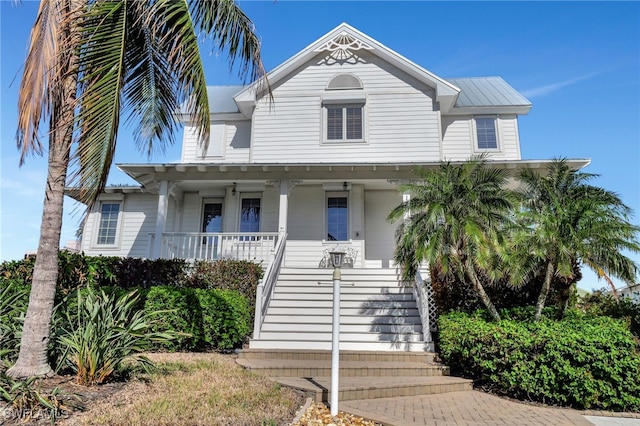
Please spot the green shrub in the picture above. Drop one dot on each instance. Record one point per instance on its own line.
(599, 303)
(226, 317)
(132, 272)
(581, 361)
(106, 330)
(226, 274)
(182, 313)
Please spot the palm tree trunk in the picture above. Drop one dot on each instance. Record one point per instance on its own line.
(477, 285)
(544, 291)
(32, 359)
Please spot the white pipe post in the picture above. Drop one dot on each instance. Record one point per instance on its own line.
(335, 341)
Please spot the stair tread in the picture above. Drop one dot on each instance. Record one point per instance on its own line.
(375, 365)
(360, 383)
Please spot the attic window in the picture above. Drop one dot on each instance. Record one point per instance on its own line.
(344, 82)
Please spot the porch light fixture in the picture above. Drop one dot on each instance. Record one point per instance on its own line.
(337, 257)
(233, 191)
(345, 187)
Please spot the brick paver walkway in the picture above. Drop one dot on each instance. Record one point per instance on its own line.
(460, 408)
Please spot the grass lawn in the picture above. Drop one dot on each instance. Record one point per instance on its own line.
(193, 389)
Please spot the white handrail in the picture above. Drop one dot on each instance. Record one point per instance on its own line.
(257, 246)
(422, 300)
(268, 283)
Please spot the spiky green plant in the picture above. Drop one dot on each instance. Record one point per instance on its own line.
(13, 304)
(105, 330)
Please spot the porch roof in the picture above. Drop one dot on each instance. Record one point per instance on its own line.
(148, 175)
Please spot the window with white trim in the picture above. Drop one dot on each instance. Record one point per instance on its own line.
(486, 133)
(344, 123)
(108, 223)
(337, 217)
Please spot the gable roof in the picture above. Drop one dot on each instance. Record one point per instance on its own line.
(487, 92)
(446, 92)
(221, 99)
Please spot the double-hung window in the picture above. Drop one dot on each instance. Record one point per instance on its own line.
(486, 133)
(344, 122)
(108, 223)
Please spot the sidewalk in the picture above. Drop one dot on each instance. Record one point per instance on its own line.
(475, 408)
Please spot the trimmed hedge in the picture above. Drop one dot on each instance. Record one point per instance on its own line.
(580, 361)
(207, 318)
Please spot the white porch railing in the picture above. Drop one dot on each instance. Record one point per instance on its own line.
(266, 286)
(258, 246)
(426, 307)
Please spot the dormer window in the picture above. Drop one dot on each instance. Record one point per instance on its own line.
(343, 109)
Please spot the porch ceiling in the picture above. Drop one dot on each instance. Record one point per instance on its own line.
(372, 174)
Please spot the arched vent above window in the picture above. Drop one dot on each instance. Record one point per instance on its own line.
(344, 81)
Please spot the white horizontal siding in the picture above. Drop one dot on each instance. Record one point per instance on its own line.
(374, 73)
(238, 141)
(306, 213)
(456, 139)
(379, 233)
(399, 121)
(458, 142)
(230, 142)
(309, 253)
(135, 222)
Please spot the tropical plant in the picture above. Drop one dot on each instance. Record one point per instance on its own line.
(105, 330)
(568, 222)
(12, 307)
(453, 211)
(88, 61)
(28, 401)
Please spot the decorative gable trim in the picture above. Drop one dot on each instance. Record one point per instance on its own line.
(341, 39)
(343, 46)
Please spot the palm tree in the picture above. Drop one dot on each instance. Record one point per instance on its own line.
(569, 222)
(453, 212)
(88, 62)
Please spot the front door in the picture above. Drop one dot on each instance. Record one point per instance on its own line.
(211, 222)
(250, 214)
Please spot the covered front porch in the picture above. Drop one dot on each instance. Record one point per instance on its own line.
(207, 212)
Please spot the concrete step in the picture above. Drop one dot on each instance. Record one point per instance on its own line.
(354, 388)
(345, 355)
(305, 344)
(322, 368)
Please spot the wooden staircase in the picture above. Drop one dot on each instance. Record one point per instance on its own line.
(363, 374)
(377, 312)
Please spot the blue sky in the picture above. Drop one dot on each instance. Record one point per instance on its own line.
(578, 62)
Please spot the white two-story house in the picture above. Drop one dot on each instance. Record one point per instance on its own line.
(283, 181)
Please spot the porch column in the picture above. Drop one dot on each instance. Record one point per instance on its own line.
(161, 218)
(284, 206)
(406, 197)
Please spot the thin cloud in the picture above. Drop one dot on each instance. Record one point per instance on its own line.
(554, 87)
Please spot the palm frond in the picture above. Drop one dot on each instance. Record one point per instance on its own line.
(101, 79)
(38, 87)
